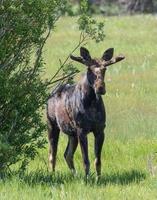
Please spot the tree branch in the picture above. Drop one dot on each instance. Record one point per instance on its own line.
(83, 38)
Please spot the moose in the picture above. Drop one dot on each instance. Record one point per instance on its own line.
(78, 109)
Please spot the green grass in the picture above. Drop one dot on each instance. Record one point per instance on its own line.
(131, 132)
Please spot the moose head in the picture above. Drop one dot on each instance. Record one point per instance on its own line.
(96, 68)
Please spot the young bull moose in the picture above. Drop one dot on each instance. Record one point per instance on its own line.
(78, 109)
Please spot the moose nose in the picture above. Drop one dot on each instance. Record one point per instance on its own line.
(101, 90)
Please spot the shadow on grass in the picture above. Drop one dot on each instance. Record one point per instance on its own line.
(40, 177)
(121, 178)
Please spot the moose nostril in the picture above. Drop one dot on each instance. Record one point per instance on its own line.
(101, 89)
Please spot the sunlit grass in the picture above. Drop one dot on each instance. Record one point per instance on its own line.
(131, 132)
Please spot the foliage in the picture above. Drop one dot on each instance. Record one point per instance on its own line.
(89, 25)
(71, 9)
(25, 26)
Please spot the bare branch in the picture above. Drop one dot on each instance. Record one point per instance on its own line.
(83, 38)
(63, 78)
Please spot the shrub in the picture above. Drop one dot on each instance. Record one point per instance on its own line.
(25, 26)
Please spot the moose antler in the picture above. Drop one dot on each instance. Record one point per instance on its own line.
(114, 60)
(78, 59)
(85, 56)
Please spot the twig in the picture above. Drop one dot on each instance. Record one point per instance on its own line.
(13, 123)
(62, 78)
(82, 40)
(39, 51)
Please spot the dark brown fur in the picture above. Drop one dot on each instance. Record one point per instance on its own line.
(78, 109)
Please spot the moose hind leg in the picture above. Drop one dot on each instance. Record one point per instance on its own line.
(99, 140)
(69, 152)
(53, 136)
(84, 149)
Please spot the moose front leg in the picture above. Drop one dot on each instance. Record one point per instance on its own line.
(99, 140)
(84, 149)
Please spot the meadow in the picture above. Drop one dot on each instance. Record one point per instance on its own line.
(129, 154)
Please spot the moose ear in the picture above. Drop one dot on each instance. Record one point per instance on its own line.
(108, 54)
(85, 54)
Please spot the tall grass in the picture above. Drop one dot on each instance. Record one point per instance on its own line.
(131, 133)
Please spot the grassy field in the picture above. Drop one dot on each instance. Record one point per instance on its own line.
(131, 132)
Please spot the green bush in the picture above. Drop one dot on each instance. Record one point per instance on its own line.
(25, 26)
